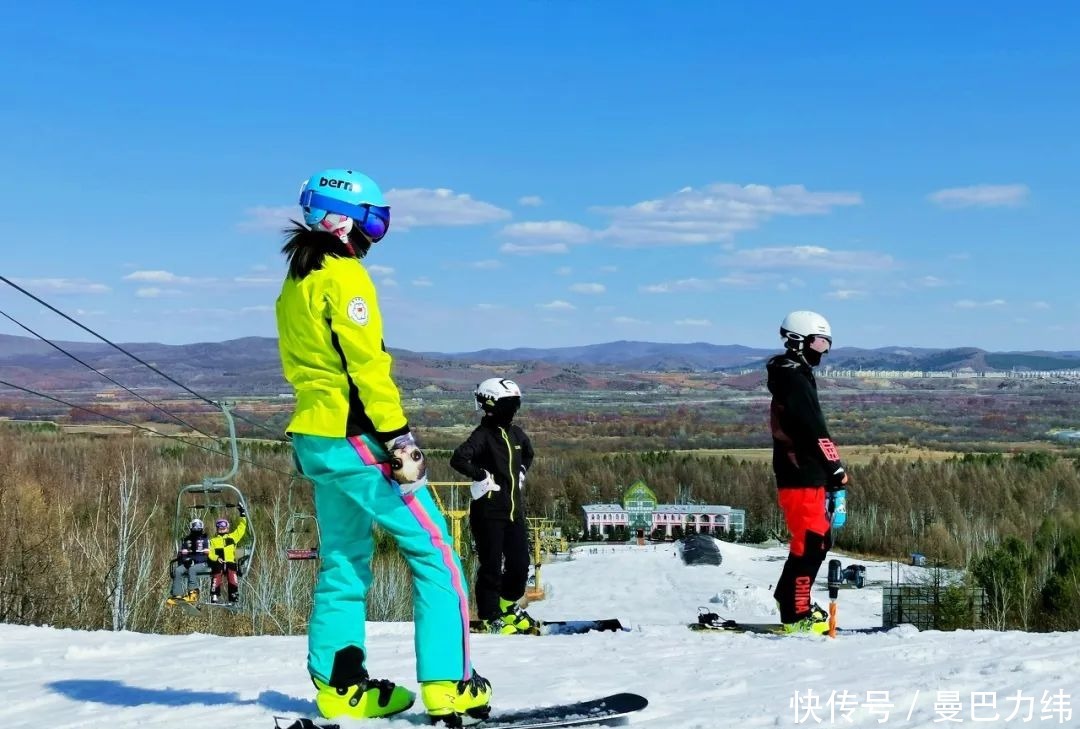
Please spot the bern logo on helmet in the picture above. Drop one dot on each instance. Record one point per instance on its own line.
(358, 311)
(339, 184)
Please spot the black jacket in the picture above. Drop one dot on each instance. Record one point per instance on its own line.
(195, 547)
(504, 451)
(803, 451)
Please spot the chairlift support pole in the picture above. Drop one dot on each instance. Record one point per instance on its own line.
(233, 450)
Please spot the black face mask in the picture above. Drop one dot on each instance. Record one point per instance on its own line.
(504, 410)
(813, 357)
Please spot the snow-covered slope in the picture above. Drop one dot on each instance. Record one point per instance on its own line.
(58, 678)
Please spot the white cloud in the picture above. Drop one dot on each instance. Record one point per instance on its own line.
(153, 292)
(259, 309)
(588, 288)
(487, 307)
(622, 320)
(980, 196)
(564, 270)
(88, 312)
(970, 304)
(1040, 305)
(845, 294)
(160, 277)
(260, 268)
(268, 217)
(609, 269)
(547, 231)
(530, 249)
(693, 323)
(807, 257)
(741, 279)
(377, 270)
(419, 207)
(531, 201)
(62, 286)
(557, 305)
(422, 281)
(683, 284)
(714, 213)
(736, 279)
(931, 282)
(388, 282)
(257, 280)
(489, 264)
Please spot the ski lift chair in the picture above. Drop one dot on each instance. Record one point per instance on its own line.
(209, 502)
(302, 536)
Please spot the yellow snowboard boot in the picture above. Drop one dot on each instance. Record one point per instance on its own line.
(457, 703)
(352, 693)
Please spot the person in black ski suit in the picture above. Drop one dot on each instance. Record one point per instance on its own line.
(496, 457)
(806, 464)
(192, 559)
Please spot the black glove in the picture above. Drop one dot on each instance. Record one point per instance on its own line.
(836, 480)
(241, 509)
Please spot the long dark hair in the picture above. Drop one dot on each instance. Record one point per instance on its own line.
(305, 249)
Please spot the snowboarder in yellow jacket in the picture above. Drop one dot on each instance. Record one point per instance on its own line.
(352, 440)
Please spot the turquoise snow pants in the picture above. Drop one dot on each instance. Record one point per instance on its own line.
(353, 492)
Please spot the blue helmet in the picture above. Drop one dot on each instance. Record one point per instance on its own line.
(340, 191)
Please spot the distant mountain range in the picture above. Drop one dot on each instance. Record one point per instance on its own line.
(250, 365)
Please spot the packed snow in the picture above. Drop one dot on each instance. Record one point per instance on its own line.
(903, 678)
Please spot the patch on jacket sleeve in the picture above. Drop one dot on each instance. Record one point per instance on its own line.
(358, 311)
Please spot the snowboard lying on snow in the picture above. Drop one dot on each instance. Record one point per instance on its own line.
(562, 627)
(607, 711)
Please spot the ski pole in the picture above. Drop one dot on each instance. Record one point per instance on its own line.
(836, 578)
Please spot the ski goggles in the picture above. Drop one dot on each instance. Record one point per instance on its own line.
(375, 223)
(372, 220)
(819, 343)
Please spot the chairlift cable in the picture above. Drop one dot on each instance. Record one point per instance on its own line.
(140, 427)
(93, 369)
(117, 347)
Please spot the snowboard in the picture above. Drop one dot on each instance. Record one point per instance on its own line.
(733, 626)
(607, 711)
(562, 627)
(196, 608)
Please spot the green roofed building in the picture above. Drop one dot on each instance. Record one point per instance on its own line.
(641, 510)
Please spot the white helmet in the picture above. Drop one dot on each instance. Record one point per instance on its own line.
(493, 389)
(798, 326)
(196, 525)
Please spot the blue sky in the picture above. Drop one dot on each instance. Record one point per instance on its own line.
(560, 172)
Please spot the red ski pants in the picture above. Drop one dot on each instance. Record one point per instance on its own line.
(811, 537)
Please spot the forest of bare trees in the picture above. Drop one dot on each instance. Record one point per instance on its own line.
(88, 521)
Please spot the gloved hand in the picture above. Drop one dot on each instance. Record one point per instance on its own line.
(241, 509)
(836, 480)
(481, 487)
(407, 464)
(521, 479)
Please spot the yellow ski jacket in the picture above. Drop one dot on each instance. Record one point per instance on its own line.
(331, 343)
(223, 546)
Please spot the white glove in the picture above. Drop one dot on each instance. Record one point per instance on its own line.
(479, 488)
(521, 479)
